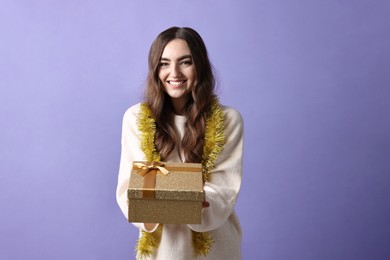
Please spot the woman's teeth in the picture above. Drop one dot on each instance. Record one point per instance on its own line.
(176, 83)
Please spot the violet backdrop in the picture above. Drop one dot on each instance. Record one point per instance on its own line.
(311, 79)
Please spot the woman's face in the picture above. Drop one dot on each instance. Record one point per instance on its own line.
(177, 72)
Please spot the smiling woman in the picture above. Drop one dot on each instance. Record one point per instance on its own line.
(177, 73)
(181, 121)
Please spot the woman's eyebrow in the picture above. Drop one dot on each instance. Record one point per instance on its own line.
(180, 58)
(184, 57)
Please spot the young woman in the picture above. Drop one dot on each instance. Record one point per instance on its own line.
(181, 120)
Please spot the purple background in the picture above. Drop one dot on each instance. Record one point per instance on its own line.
(311, 79)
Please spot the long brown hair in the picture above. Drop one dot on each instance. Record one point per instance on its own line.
(198, 105)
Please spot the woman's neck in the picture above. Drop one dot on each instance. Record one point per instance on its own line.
(179, 104)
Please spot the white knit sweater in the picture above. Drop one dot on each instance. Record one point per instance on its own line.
(221, 192)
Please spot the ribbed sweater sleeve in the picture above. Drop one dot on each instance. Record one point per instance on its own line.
(130, 151)
(225, 179)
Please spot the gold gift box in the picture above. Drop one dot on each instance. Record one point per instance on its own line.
(175, 198)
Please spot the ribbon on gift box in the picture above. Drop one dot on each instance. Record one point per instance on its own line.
(149, 172)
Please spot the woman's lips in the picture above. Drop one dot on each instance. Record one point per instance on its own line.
(176, 83)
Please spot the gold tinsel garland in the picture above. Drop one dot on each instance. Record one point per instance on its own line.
(214, 141)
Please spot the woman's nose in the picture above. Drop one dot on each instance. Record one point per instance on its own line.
(175, 71)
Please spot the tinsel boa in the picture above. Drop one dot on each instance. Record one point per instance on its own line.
(214, 141)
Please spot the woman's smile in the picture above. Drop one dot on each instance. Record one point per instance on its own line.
(177, 72)
(176, 83)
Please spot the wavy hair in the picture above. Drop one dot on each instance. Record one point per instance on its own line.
(198, 105)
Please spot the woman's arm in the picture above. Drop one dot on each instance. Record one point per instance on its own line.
(130, 152)
(225, 179)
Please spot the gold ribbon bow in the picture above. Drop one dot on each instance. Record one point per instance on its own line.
(149, 172)
(145, 168)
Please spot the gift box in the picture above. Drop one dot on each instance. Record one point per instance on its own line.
(168, 193)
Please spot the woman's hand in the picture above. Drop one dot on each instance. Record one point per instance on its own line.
(150, 226)
(205, 204)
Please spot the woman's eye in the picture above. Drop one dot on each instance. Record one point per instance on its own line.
(164, 64)
(186, 62)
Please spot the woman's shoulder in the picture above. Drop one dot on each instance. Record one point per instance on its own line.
(132, 112)
(232, 115)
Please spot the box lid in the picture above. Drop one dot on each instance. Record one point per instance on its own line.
(183, 182)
